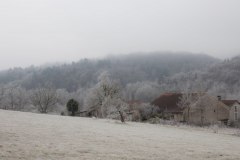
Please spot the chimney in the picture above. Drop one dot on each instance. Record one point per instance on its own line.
(219, 98)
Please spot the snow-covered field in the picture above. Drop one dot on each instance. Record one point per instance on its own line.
(34, 136)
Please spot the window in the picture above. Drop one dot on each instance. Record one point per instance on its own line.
(235, 113)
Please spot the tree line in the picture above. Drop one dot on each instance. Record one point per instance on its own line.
(103, 87)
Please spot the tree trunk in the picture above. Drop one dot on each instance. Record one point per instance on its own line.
(122, 117)
(202, 117)
(188, 115)
(73, 113)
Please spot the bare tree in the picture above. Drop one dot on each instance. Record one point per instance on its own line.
(20, 98)
(2, 97)
(44, 98)
(186, 101)
(201, 105)
(10, 98)
(13, 97)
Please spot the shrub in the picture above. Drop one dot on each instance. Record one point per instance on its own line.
(136, 116)
(62, 113)
(147, 111)
(72, 106)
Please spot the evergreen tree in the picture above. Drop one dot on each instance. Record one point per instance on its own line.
(72, 106)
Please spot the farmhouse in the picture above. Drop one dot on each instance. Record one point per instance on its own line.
(203, 109)
(234, 111)
(208, 110)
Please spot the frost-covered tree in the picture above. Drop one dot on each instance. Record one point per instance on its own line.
(44, 98)
(145, 91)
(147, 111)
(115, 108)
(20, 98)
(10, 98)
(104, 99)
(13, 97)
(97, 95)
(2, 97)
(79, 95)
(63, 96)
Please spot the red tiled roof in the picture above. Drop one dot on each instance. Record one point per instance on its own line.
(230, 102)
(168, 102)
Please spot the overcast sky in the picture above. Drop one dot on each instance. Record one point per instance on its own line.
(42, 31)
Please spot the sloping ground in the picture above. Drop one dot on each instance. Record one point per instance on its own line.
(30, 136)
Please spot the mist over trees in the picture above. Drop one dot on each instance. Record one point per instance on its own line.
(223, 79)
(126, 68)
(134, 77)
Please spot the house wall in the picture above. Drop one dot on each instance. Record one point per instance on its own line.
(195, 117)
(217, 112)
(208, 111)
(232, 114)
(222, 111)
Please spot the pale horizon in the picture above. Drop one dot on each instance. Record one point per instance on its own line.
(49, 31)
